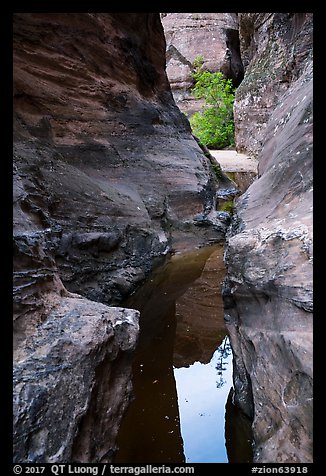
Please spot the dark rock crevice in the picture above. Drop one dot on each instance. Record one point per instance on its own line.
(233, 67)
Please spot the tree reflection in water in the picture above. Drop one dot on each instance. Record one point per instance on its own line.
(224, 350)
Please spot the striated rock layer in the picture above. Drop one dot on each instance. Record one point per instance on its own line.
(107, 180)
(268, 290)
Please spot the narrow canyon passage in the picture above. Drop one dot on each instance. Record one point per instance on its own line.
(182, 368)
(108, 182)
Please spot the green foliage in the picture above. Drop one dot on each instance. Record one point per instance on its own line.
(212, 130)
(227, 207)
(217, 170)
(198, 63)
(214, 125)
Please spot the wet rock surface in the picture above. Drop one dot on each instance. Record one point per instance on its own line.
(108, 180)
(71, 358)
(268, 290)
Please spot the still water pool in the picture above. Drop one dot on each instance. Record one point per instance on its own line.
(182, 369)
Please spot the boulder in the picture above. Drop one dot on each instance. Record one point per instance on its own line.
(72, 361)
(72, 383)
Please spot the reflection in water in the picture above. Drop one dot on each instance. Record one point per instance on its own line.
(199, 314)
(238, 434)
(150, 432)
(177, 367)
(202, 396)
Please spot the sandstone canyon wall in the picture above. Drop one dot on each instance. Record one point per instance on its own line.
(268, 290)
(214, 37)
(107, 180)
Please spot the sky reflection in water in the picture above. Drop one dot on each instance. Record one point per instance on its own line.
(202, 409)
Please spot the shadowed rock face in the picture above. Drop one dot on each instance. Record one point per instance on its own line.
(107, 179)
(268, 291)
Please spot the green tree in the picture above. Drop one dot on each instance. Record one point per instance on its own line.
(214, 125)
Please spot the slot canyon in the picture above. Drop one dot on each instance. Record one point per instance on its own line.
(122, 248)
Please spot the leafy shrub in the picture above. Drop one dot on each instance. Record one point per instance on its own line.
(214, 125)
(227, 207)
